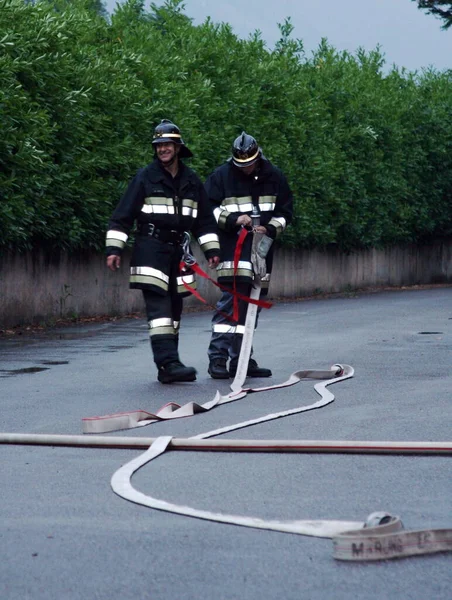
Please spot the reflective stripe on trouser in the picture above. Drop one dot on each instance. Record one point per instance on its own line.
(226, 339)
(163, 315)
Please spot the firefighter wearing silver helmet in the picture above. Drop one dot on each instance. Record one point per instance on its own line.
(165, 199)
(245, 181)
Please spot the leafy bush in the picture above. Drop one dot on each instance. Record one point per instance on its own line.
(367, 154)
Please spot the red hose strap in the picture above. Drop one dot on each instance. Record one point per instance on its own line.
(236, 295)
(197, 269)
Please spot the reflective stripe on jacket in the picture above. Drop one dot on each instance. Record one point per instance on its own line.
(232, 193)
(178, 204)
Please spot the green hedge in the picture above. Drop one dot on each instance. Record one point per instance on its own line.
(367, 153)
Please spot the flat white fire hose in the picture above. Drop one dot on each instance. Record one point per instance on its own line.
(379, 537)
(141, 418)
(247, 341)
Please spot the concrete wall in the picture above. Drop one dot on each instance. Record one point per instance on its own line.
(298, 273)
(37, 287)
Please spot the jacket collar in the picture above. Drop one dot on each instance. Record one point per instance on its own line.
(158, 173)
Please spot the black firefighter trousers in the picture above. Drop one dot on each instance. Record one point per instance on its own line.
(163, 314)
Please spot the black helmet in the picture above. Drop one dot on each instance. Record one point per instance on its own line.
(167, 132)
(245, 151)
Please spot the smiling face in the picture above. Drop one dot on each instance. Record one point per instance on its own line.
(167, 152)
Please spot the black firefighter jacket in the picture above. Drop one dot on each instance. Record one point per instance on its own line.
(178, 204)
(232, 194)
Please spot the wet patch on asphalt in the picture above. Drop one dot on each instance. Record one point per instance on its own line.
(12, 372)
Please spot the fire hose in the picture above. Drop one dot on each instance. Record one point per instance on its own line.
(379, 537)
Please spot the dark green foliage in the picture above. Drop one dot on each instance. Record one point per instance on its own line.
(438, 8)
(368, 154)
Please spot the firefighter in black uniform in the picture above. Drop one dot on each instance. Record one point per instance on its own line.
(167, 200)
(245, 181)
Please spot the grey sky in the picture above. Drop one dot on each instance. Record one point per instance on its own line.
(409, 37)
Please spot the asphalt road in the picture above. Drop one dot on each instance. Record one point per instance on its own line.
(65, 535)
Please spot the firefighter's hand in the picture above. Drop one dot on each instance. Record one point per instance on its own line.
(260, 229)
(213, 262)
(244, 220)
(113, 262)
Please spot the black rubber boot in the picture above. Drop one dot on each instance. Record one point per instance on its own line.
(217, 368)
(253, 369)
(176, 371)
